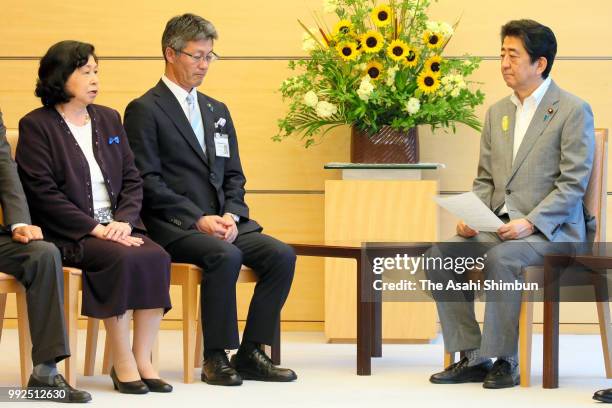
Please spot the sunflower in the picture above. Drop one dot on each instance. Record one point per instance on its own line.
(347, 50)
(428, 82)
(372, 41)
(374, 70)
(397, 50)
(432, 39)
(343, 27)
(411, 57)
(434, 65)
(381, 15)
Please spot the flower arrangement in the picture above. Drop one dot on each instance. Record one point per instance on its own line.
(380, 65)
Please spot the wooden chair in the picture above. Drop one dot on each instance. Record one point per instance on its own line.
(73, 284)
(247, 275)
(595, 202)
(188, 276)
(8, 284)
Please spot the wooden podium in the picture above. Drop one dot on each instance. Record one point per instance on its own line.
(378, 203)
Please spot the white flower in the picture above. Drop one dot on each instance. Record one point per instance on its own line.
(330, 6)
(365, 89)
(308, 42)
(440, 27)
(432, 26)
(413, 105)
(311, 99)
(452, 85)
(390, 81)
(326, 110)
(445, 29)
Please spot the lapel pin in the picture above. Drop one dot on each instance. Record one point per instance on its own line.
(550, 112)
(505, 123)
(210, 107)
(112, 140)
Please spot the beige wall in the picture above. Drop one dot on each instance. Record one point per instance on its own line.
(285, 182)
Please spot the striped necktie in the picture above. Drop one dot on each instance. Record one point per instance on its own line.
(195, 120)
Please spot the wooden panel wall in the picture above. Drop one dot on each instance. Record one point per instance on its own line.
(285, 182)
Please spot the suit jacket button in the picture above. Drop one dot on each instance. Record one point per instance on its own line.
(508, 191)
(212, 176)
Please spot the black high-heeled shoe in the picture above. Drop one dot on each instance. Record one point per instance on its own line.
(129, 387)
(157, 385)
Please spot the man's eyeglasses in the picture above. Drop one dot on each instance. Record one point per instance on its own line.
(210, 58)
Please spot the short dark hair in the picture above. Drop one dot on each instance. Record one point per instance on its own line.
(56, 66)
(188, 27)
(538, 40)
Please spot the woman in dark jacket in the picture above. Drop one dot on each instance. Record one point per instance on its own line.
(83, 189)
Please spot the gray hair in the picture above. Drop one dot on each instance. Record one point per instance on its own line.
(188, 27)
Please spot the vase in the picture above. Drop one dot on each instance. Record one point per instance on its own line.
(386, 146)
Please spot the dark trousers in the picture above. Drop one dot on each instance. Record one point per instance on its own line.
(273, 262)
(38, 266)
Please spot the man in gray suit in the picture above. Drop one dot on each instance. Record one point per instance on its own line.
(38, 266)
(536, 155)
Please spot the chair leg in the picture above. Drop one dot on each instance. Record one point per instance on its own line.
(274, 350)
(71, 313)
(449, 358)
(197, 356)
(525, 337)
(2, 309)
(603, 312)
(25, 341)
(190, 291)
(91, 345)
(107, 361)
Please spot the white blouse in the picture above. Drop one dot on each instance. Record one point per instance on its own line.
(101, 200)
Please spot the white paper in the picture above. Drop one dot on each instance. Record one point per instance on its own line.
(471, 210)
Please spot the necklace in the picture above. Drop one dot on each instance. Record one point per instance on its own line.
(61, 112)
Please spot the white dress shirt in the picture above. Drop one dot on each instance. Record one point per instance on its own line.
(524, 115)
(101, 199)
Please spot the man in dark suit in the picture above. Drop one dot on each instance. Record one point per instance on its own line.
(38, 266)
(187, 152)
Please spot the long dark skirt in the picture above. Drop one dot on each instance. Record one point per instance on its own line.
(117, 278)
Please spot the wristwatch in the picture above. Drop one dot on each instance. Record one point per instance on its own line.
(235, 217)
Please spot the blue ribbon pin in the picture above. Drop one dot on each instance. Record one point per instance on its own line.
(112, 140)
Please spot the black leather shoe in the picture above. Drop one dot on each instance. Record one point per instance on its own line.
(256, 365)
(217, 370)
(157, 385)
(128, 387)
(603, 395)
(460, 372)
(60, 390)
(502, 375)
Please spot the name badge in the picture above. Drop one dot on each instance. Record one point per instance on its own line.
(222, 145)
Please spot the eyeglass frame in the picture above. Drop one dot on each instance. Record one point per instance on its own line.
(210, 57)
